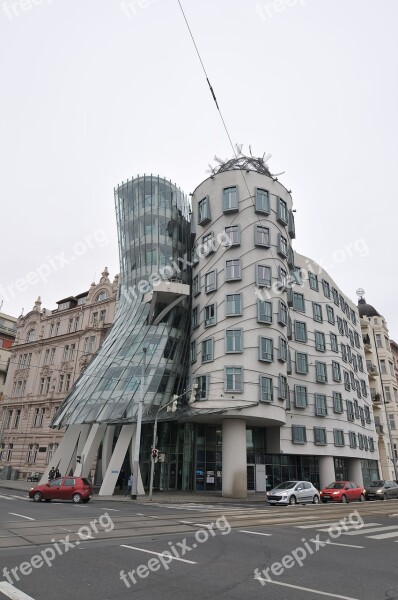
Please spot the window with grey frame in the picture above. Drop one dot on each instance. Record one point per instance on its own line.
(233, 379)
(353, 439)
(262, 201)
(317, 312)
(233, 304)
(195, 317)
(204, 210)
(334, 346)
(300, 396)
(232, 235)
(301, 362)
(207, 350)
(266, 389)
(336, 372)
(266, 349)
(202, 382)
(196, 285)
(320, 343)
(282, 212)
(300, 331)
(210, 317)
(264, 311)
(263, 276)
(211, 281)
(283, 388)
(313, 281)
(350, 410)
(230, 199)
(321, 406)
(282, 245)
(299, 434)
(338, 436)
(193, 351)
(282, 350)
(321, 372)
(262, 236)
(320, 438)
(282, 277)
(337, 403)
(233, 269)
(233, 341)
(330, 314)
(282, 313)
(208, 243)
(326, 288)
(298, 302)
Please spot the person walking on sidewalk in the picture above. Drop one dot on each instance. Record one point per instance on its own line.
(127, 491)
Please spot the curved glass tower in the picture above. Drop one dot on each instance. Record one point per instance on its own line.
(153, 218)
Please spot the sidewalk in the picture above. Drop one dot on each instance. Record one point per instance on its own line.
(167, 497)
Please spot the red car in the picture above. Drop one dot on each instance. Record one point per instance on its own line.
(342, 491)
(77, 489)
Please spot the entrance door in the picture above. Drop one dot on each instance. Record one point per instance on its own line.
(261, 479)
(251, 478)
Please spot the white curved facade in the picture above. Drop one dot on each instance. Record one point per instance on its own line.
(270, 348)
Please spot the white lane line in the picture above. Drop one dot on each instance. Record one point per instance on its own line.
(315, 525)
(383, 536)
(187, 522)
(254, 532)
(112, 509)
(191, 562)
(202, 524)
(5, 498)
(11, 592)
(140, 514)
(355, 527)
(370, 530)
(20, 497)
(346, 545)
(298, 587)
(394, 515)
(23, 516)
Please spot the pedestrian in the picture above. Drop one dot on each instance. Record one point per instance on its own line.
(57, 473)
(51, 474)
(129, 486)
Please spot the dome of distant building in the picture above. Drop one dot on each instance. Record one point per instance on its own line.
(366, 310)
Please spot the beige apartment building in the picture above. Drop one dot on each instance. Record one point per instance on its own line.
(51, 350)
(383, 383)
(8, 327)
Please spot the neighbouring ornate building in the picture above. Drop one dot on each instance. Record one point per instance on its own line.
(8, 326)
(382, 373)
(52, 349)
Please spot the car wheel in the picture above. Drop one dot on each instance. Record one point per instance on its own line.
(344, 499)
(315, 499)
(76, 498)
(292, 500)
(37, 497)
(362, 498)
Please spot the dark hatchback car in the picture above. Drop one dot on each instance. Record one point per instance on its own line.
(77, 489)
(381, 489)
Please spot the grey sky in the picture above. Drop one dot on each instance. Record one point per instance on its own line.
(92, 95)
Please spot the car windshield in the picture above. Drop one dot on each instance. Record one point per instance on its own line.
(286, 485)
(378, 483)
(336, 485)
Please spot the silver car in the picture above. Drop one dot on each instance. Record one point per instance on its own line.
(293, 492)
(381, 489)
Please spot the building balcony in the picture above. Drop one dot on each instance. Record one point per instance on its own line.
(366, 342)
(376, 399)
(380, 430)
(372, 370)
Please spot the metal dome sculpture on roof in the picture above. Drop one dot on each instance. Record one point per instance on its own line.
(365, 309)
(242, 162)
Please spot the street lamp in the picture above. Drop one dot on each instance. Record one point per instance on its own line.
(136, 461)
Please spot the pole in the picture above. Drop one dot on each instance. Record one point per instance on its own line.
(155, 428)
(136, 462)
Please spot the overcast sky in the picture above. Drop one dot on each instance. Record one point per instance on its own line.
(93, 93)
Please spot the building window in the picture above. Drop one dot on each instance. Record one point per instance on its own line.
(266, 349)
(282, 387)
(233, 340)
(89, 343)
(263, 276)
(203, 387)
(338, 435)
(196, 285)
(44, 385)
(317, 312)
(101, 296)
(350, 410)
(320, 436)
(383, 366)
(38, 417)
(282, 215)
(298, 302)
(282, 313)
(282, 277)
(233, 269)
(301, 362)
(326, 288)
(210, 281)
(261, 236)
(300, 331)
(230, 199)
(313, 281)
(204, 211)
(32, 453)
(379, 343)
(262, 201)
(193, 351)
(282, 245)
(367, 414)
(207, 350)
(210, 315)
(264, 311)
(266, 389)
(299, 434)
(353, 439)
(347, 383)
(337, 402)
(282, 350)
(336, 373)
(372, 445)
(7, 421)
(31, 337)
(233, 379)
(208, 243)
(195, 317)
(321, 407)
(233, 305)
(300, 396)
(321, 372)
(67, 381)
(330, 314)
(232, 234)
(17, 418)
(61, 383)
(76, 327)
(320, 343)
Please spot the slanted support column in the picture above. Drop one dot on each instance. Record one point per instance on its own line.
(140, 486)
(234, 463)
(107, 445)
(326, 470)
(63, 456)
(90, 449)
(355, 471)
(84, 432)
(116, 461)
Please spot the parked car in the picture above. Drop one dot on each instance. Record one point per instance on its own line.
(34, 476)
(293, 492)
(381, 489)
(342, 491)
(77, 489)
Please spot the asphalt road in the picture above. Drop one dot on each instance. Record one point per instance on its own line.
(120, 550)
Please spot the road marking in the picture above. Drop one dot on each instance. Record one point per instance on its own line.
(356, 527)
(347, 545)
(23, 516)
(202, 524)
(394, 515)
(112, 509)
(20, 497)
(11, 592)
(371, 530)
(315, 525)
(383, 536)
(140, 514)
(191, 562)
(187, 522)
(5, 497)
(298, 587)
(254, 532)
